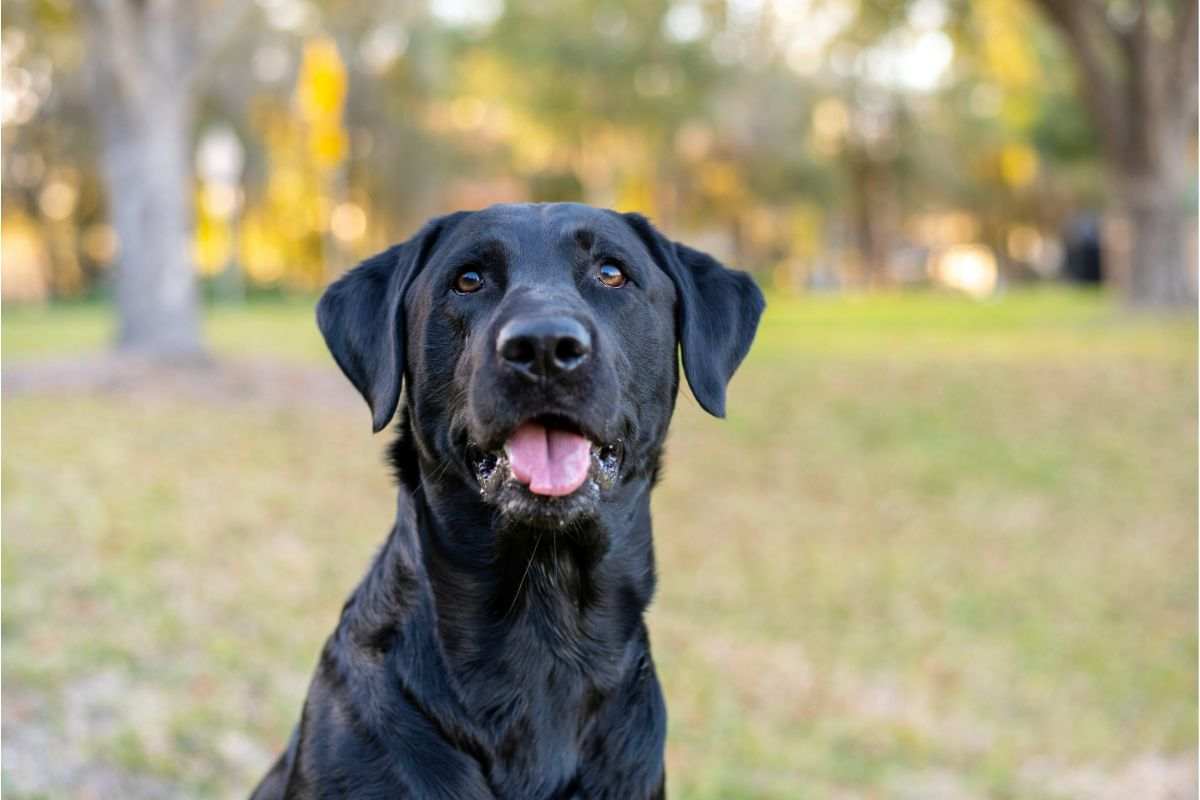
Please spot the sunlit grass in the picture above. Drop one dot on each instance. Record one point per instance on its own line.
(919, 324)
(937, 543)
(284, 328)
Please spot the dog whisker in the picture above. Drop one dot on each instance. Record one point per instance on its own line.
(524, 575)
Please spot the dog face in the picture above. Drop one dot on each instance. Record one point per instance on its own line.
(539, 345)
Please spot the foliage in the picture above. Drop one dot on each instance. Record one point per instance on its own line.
(796, 138)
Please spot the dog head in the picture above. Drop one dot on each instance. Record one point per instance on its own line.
(538, 344)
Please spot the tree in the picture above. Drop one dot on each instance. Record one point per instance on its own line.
(1137, 77)
(145, 57)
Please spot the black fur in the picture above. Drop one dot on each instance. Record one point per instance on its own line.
(496, 647)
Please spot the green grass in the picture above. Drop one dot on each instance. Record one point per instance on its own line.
(937, 546)
(284, 328)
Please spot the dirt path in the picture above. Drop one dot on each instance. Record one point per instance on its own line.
(269, 381)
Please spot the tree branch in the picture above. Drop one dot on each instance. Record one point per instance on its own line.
(1182, 70)
(1145, 91)
(1085, 33)
(114, 40)
(212, 38)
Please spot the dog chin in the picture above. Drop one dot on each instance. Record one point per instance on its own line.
(517, 505)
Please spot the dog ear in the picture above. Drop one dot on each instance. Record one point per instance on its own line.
(361, 316)
(716, 314)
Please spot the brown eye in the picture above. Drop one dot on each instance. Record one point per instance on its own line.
(611, 275)
(468, 281)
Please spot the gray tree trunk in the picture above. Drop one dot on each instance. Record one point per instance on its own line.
(142, 98)
(146, 160)
(1154, 173)
(1155, 208)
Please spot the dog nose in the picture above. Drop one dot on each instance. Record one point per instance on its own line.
(544, 347)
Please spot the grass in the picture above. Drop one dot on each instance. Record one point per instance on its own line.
(939, 548)
(284, 328)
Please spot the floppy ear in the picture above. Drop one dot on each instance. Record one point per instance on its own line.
(716, 314)
(361, 316)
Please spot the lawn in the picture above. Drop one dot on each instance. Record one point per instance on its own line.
(939, 549)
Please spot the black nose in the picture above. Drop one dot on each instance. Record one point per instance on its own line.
(543, 347)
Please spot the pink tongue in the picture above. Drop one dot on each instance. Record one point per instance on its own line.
(550, 462)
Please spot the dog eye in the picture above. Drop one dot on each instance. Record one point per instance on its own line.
(468, 281)
(611, 275)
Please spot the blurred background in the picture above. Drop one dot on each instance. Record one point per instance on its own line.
(953, 554)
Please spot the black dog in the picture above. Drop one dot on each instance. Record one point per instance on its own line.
(496, 647)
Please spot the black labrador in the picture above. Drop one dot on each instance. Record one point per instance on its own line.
(496, 647)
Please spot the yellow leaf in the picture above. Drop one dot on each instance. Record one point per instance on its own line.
(327, 145)
(321, 84)
(1018, 165)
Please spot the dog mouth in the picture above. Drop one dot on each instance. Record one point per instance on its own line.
(548, 457)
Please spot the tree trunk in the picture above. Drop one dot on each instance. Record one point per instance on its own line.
(1154, 177)
(1155, 210)
(150, 195)
(142, 99)
(866, 188)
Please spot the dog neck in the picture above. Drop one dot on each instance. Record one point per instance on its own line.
(573, 597)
